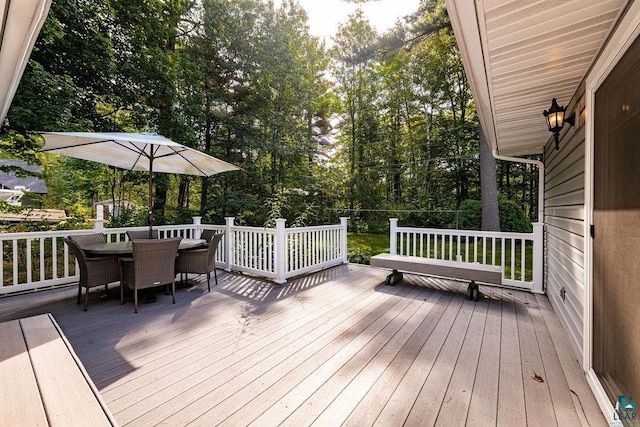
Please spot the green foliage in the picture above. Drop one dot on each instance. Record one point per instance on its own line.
(34, 226)
(131, 216)
(512, 216)
(360, 256)
(245, 82)
(361, 247)
(308, 214)
(471, 215)
(275, 206)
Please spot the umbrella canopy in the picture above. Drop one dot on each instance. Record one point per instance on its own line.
(20, 23)
(135, 151)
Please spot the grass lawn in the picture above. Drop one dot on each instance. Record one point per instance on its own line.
(376, 243)
(361, 247)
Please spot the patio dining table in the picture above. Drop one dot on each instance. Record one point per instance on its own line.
(125, 248)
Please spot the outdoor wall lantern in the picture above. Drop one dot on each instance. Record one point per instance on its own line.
(556, 119)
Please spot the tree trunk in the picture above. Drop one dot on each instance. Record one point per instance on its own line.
(183, 192)
(208, 139)
(352, 160)
(488, 186)
(161, 181)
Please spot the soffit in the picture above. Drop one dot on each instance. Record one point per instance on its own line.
(520, 54)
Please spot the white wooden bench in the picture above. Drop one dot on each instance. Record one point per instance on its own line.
(42, 381)
(457, 270)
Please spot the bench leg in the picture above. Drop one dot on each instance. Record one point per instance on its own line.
(473, 291)
(393, 278)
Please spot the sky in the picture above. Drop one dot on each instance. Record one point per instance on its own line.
(326, 15)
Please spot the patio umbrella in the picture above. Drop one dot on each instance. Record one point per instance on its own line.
(137, 152)
(20, 23)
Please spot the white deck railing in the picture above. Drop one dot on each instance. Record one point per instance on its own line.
(518, 254)
(41, 259)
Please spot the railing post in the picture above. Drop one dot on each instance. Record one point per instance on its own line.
(98, 225)
(343, 239)
(538, 258)
(228, 243)
(197, 230)
(393, 235)
(280, 263)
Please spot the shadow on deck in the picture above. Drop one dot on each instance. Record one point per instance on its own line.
(336, 347)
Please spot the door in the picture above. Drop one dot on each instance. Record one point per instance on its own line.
(616, 217)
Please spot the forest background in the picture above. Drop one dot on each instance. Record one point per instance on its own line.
(373, 127)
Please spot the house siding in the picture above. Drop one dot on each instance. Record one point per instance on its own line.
(564, 199)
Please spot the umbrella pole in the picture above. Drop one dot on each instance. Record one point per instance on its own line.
(150, 215)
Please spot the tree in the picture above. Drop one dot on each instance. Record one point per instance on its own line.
(489, 186)
(244, 81)
(356, 78)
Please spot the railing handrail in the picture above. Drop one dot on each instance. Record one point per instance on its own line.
(473, 233)
(254, 229)
(291, 230)
(40, 259)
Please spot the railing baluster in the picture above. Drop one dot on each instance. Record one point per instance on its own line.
(414, 243)
(29, 264)
(475, 248)
(325, 238)
(65, 257)
(522, 260)
(513, 259)
(493, 251)
(466, 247)
(54, 258)
(299, 250)
(503, 254)
(408, 242)
(15, 262)
(484, 249)
(42, 248)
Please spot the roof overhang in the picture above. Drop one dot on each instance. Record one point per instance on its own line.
(518, 55)
(20, 24)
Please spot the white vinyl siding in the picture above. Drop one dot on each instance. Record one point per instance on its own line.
(564, 229)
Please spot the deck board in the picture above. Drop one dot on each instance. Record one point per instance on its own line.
(539, 408)
(273, 352)
(483, 408)
(370, 406)
(18, 405)
(333, 348)
(401, 402)
(427, 404)
(558, 387)
(511, 398)
(269, 387)
(361, 353)
(455, 406)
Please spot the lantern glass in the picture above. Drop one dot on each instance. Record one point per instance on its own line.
(556, 120)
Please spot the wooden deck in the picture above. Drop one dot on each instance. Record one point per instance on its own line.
(333, 348)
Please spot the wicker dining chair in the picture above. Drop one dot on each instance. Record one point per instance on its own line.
(208, 235)
(152, 265)
(200, 261)
(142, 234)
(94, 271)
